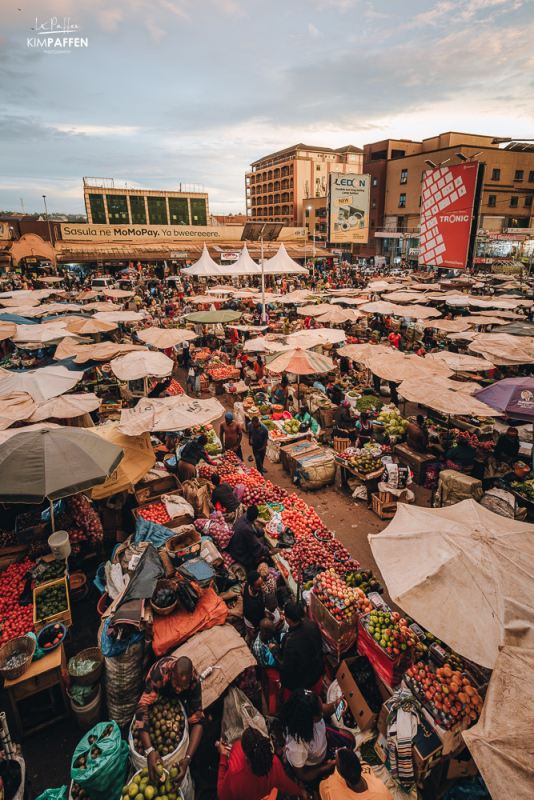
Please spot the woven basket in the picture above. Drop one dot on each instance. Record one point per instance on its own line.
(164, 583)
(24, 643)
(95, 654)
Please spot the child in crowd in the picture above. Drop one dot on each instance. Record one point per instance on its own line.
(274, 613)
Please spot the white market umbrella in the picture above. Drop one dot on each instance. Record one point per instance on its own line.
(448, 397)
(461, 362)
(7, 330)
(119, 316)
(163, 338)
(43, 334)
(364, 353)
(380, 307)
(338, 316)
(417, 312)
(67, 406)
(101, 306)
(15, 407)
(483, 320)
(449, 568)
(504, 350)
(384, 286)
(449, 325)
(145, 364)
(168, 414)
(90, 327)
(41, 384)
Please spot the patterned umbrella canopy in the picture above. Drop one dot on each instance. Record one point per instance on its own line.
(300, 362)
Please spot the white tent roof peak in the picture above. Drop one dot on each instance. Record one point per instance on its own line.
(283, 264)
(204, 266)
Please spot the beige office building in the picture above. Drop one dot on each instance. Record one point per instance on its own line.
(280, 185)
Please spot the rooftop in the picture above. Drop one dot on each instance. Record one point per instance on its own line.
(310, 147)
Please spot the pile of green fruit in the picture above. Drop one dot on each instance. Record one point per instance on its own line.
(390, 631)
(269, 424)
(366, 464)
(166, 721)
(395, 424)
(141, 787)
(53, 572)
(264, 513)
(51, 601)
(291, 426)
(364, 579)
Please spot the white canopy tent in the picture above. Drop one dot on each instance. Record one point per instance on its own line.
(204, 266)
(282, 264)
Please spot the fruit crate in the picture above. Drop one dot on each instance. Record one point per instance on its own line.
(184, 519)
(389, 669)
(47, 582)
(382, 509)
(64, 616)
(340, 635)
(144, 492)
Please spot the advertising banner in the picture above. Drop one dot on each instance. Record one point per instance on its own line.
(348, 207)
(76, 232)
(447, 215)
(5, 232)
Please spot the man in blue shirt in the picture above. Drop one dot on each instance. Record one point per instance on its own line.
(258, 436)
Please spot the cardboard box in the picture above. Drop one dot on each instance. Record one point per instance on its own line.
(291, 453)
(364, 717)
(382, 724)
(342, 633)
(461, 769)
(381, 748)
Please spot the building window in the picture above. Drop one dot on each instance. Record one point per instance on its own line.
(531, 176)
(178, 211)
(373, 203)
(514, 201)
(138, 210)
(492, 200)
(375, 182)
(519, 175)
(496, 175)
(420, 201)
(528, 202)
(404, 176)
(198, 211)
(157, 210)
(118, 209)
(318, 167)
(402, 200)
(372, 223)
(98, 212)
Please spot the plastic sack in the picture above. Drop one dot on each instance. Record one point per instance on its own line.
(79, 694)
(360, 493)
(55, 794)
(116, 579)
(179, 752)
(38, 652)
(59, 508)
(82, 667)
(124, 681)
(238, 714)
(105, 775)
(143, 582)
(146, 531)
(176, 506)
(11, 775)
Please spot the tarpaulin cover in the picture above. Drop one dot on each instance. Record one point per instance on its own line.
(147, 531)
(178, 627)
(511, 396)
(439, 394)
(462, 572)
(502, 740)
(395, 366)
(168, 414)
(149, 570)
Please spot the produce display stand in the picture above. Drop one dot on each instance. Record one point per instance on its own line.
(417, 462)
(338, 635)
(183, 519)
(63, 616)
(364, 477)
(389, 669)
(42, 676)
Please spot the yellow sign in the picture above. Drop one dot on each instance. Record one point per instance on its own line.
(79, 232)
(348, 207)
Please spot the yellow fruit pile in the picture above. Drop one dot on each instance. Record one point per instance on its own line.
(141, 787)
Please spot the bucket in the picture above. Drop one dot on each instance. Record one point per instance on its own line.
(59, 544)
(87, 716)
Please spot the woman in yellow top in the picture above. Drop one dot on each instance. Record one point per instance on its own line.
(352, 780)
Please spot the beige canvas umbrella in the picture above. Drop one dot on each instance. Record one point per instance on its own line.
(449, 325)
(417, 312)
(483, 320)
(101, 306)
(88, 295)
(338, 316)
(163, 338)
(503, 349)
(168, 414)
(145, 364)
(351, 301)
(139, 457)
(15, 407)
(118, 294)
(119, 316)
(43, 334)
(384, 286)
(502, 314)
(379, 307)
(363, 353)
(101, 351)
(461, 362)
(14, 302)
(445, 398)
(90, 327)
(397, 367)
(449, 568)
(314, 310)
(66, 406)
(7, 330)
(404, 297)
(501, 741)
(47, 309)
(41, 384)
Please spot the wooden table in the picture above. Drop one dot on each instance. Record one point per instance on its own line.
(42, 676)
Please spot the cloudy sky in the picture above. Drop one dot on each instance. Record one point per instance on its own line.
(172, 91)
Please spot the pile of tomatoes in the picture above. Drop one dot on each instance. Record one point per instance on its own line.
(17, 620)
(155, 513)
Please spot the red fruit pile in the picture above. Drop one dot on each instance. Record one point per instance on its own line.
(155, 513)
(17, 620)
(447, 693)
(341, 600)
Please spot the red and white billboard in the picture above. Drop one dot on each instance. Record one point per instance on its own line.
(447, 215)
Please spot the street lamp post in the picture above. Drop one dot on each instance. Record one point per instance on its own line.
(54, 265)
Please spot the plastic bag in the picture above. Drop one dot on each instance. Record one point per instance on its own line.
(143, 582)
(80, 693)
(59, 508)
(38, 652)
(104, 775)
(360, 493)
(55, 794)
(82, 666)
(238, 714)
(11, 775)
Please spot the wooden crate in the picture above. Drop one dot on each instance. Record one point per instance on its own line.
(184, 519)
(64, 616)
(340, 444)
(12, 554)
(383, 510)
(341, 633)
(389, 497)
(144, 492)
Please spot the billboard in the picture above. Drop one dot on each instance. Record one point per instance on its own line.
(348, 207)
(80, 231)
(447, 215)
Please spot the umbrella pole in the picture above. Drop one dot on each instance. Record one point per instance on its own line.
(533, 446)
(52, 520)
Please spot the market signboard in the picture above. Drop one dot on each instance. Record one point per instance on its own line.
(80, 232)
(5, 232)
(447, 215)
(348, 207)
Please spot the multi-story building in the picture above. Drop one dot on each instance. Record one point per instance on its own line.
(280, 185)
(397, 168)
(108, 205)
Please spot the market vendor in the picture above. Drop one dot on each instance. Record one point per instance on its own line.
(461, 456)
(345, 423)
(244, 546)
(507, 447)
(193, 452)
(231, 434)
(417, 435)
(173, 677)
(223, 497)
(279, 394)
(364, 426)
(352, 780)
(300, 659)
